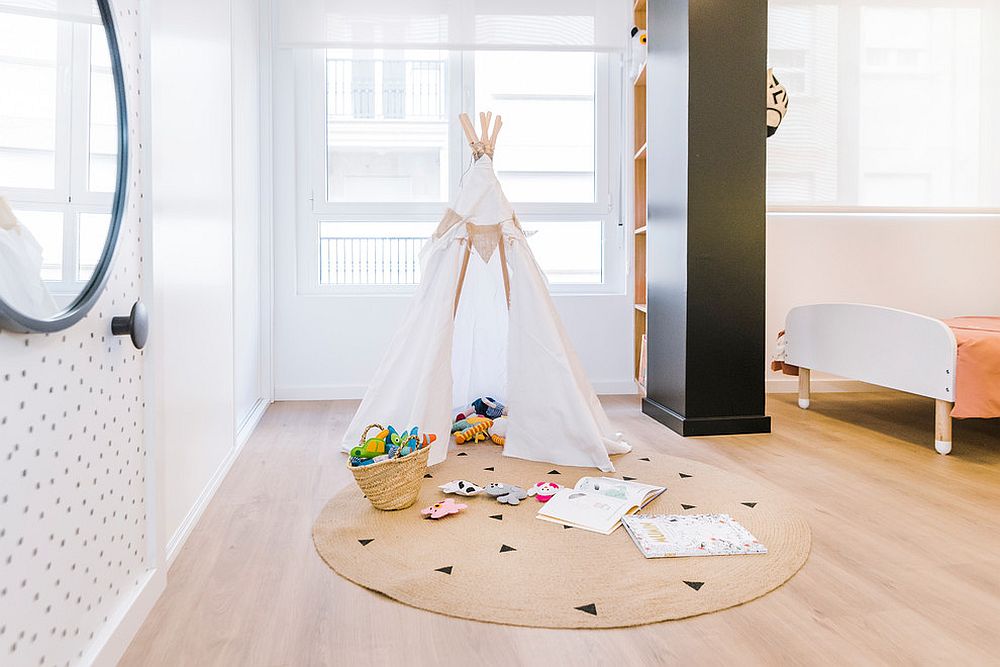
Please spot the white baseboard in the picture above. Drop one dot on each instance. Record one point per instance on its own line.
(245, 429)
(790, 385)
(110, 644)
(330, 392)
(357, 392)
(176, 542)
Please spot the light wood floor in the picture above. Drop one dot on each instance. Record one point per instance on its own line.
(905, 566)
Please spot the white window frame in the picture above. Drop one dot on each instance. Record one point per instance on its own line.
(70, 195)
(313, 208)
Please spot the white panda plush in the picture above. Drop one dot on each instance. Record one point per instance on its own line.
(777, 103)
(461, 487)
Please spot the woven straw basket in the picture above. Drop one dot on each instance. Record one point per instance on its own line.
(392, 484)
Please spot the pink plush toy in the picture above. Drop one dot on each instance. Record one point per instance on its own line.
(443, 508)
(543, 491)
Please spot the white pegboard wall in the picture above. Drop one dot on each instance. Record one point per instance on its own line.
(72, 457)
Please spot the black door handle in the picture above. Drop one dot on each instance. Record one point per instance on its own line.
(135, 324)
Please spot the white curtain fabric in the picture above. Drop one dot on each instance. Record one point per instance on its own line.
(893, 104)
(522, 357)
(538, 25)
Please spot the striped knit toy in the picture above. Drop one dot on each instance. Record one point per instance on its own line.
(474, 433)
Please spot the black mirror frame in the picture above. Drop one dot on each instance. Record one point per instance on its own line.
(15, 321)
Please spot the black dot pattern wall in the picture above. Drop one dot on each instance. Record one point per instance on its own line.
(72, 457)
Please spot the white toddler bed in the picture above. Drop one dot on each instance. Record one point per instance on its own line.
(881, 346)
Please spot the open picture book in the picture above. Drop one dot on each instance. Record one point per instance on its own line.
(598, 503)
(677, 535)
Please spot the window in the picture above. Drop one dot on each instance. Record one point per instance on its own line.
(386, 126)
(384, 153)
(58, 140)
(892, 104)
(28, 74)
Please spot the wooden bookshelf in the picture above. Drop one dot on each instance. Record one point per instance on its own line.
(639, 149)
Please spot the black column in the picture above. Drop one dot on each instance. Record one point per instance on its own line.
(706, 131)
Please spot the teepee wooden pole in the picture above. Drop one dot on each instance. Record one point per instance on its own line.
(470, 131)
(496, 130)
(461, 276)
(484, 121)
(503, 264)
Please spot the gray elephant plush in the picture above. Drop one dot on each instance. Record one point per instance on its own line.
(506, 493)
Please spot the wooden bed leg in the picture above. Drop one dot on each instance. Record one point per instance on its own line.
(942, 426)
(804, 388)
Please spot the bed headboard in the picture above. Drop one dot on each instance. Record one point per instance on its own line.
(882, 346)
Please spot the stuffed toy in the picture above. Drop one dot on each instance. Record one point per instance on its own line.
(508, 494)
(389, 444)
(373, 446)
(474, 433)
(443, 508)
(777, 103)
(468, 422)
(498, 432)
(415, 443)
(488, 407)
(543, 491)
(464, 412)
(358, 461)
(461, 487)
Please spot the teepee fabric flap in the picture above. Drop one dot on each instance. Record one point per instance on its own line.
(552, 416)
(412, 386)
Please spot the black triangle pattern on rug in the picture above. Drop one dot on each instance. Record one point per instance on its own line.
(644, 458)
(498, 517)
(565, 527)
(504, 548)
(428, 476)
(750, 505)
(554, 472)
(365, 543)
(628, 479)
(462, 454)
(490, 468)
(688, 507)
(684, 476)
(588, 608)
(695, 584)
(446, 570)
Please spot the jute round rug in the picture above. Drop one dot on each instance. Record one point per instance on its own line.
(500, 564)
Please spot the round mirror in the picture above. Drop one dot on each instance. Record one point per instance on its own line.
(62, 159)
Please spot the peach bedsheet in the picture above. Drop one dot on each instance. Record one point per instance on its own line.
(977, 370)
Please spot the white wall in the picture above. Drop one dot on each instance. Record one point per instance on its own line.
(192, 250)
(937, 265)
(248, 281)
(205, 183)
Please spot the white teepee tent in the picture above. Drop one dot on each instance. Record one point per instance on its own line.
(482, 323)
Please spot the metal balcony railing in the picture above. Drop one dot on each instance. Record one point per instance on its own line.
(386, 89)
(370, 260)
